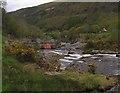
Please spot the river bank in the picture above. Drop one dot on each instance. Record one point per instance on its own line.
(106, 63)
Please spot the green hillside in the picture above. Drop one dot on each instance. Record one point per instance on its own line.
(75, 20)
(67, 22)
(63, 16)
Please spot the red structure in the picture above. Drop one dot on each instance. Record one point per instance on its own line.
(47, 46)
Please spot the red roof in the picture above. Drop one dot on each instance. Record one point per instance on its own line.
(47, 46)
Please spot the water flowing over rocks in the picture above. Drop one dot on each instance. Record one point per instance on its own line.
(106, 63)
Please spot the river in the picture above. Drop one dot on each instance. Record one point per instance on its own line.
(106, 63)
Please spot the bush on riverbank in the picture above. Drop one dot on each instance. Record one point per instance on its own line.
(92, 68)
(47, 62)
(22, 51)
(28, 53)
(105, 45)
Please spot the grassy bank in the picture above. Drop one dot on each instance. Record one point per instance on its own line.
(17, 78)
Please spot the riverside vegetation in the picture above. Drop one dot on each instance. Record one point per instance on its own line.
(83, 22)
(19, 77)
(15, 78)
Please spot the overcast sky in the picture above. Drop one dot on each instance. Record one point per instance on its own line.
(13, 5)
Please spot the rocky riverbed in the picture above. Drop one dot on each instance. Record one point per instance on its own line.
(106, 63)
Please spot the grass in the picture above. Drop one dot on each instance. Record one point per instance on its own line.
(87, 80)
(19, 77)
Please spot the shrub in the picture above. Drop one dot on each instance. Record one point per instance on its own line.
(92, 68)
(22, 51)
(47, 63)
(89, 45)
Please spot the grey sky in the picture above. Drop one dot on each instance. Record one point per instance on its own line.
(13, 5)
(87, 0)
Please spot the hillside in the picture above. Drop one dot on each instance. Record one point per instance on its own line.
(91, 22)
(61, 16)
(64, 16)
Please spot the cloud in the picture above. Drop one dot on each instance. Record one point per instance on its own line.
(13, 5)
(86, 0)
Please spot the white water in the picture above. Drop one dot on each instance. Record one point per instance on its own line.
(72, 58)
(104, 61)
(65, 60)
(80, 62)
